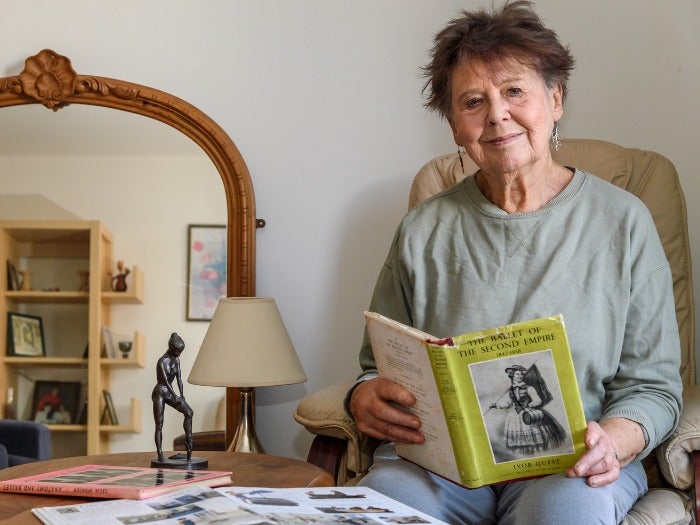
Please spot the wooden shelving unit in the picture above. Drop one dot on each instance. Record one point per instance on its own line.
(54, 251)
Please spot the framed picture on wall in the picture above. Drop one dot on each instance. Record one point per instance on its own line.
(206, 270)
(56, 402)
(25, 335)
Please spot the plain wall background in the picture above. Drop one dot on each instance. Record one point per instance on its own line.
(323, 100)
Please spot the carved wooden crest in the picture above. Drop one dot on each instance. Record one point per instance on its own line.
(49, 79)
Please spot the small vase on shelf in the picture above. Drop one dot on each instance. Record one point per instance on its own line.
(26, 280)
(119, 280)
(125, 348)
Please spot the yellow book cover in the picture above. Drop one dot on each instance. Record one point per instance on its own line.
(495, 405)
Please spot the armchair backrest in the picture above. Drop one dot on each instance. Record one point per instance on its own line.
(23, 441)
(648, 175)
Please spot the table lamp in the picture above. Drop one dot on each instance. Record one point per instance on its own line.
(246, 346)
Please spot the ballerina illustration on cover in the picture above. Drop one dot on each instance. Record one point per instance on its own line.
(529, 428)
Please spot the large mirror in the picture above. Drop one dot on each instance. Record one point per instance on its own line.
(49, 79)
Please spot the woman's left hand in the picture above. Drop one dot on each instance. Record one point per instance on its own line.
(611, 444)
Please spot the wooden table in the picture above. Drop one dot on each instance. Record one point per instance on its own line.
(249, 470)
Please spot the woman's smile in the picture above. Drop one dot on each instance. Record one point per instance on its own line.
(503, 140)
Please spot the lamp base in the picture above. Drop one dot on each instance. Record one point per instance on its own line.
(245, 439)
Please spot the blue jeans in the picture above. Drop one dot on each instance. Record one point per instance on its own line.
(554, 500)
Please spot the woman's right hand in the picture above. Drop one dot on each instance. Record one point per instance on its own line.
(379, 408)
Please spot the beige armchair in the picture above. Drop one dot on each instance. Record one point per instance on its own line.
(347, 454)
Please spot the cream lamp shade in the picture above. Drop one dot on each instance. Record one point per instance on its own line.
(246, 345)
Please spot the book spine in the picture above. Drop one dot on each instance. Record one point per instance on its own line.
(454, 415)
(71, 490)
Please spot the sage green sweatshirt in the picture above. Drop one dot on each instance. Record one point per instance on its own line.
(458, 264)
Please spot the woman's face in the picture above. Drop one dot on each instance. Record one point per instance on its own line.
(518, 375)
(503, 114)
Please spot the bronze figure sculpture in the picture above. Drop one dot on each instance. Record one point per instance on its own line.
(167, 371)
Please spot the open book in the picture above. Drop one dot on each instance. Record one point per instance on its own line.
(495, 405)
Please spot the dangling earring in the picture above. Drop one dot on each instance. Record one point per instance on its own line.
(460, 149)
(556, 140)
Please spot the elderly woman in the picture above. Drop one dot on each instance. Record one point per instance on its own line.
(524, 238)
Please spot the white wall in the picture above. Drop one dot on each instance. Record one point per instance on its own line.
(323, 100)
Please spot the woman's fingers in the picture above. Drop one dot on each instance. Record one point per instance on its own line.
(380, 409)
(599, 463)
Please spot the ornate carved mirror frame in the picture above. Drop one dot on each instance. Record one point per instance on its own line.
(49, 79)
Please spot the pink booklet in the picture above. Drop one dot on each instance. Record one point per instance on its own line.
(103, 481)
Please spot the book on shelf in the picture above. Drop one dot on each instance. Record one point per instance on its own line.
(103, 481)
(309, 505)
(109, 349)
(495, 405)
(109, 414)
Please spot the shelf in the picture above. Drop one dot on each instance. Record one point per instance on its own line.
(45, 361)
(67, 428)
(134, 425)
(137, 359)
(72, 297)
(133, 294)
(55, 239)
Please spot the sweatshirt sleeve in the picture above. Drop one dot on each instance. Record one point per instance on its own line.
(391, 298)
(647, 387)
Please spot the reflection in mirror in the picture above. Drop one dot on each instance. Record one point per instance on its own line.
(146, 200)
(31, 130)
(139, 205)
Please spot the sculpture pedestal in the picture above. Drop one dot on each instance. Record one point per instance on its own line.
(180, 461)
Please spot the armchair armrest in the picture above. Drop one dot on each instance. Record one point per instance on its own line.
(322, 413)
(675, 455)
